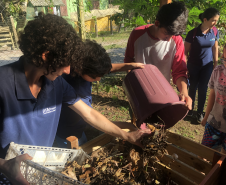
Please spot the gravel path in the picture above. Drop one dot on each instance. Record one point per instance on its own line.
(117, 55)
(9, 56)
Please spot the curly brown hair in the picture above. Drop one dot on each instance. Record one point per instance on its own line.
(96, 61)
(53, 35)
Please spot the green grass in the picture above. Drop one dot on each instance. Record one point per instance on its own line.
(114, 46)
(109, 41)
(106, 35)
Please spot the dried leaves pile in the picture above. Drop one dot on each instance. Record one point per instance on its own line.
(120, 162)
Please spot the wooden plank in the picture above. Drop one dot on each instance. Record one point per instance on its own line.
(12, 40)
(4, 35)
(4, 29)
(182, 168)
(192, 146)
(179, 172)
(2, 18)
(5, 39)
(189, 158)
(213, 177)
(222, 178)
(111, 27)
(6, 43)
(216, 158)
(175, 176)
(72, 142)
(96, 27)
(96, 143)
(14, 31)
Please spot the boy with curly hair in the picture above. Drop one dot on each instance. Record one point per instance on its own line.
(96, 63)
(160, 44)
(32, 91)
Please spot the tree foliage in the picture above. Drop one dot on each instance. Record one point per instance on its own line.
(139, 12)
(12, 7)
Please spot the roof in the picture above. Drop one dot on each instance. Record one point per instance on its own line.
(96, 13)
(47, 2)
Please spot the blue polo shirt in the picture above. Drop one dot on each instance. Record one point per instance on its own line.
(25, 119)
(201, 49)
(72, 124)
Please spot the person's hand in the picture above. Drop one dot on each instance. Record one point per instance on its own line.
(135, 137)
(203, 122)
(11, 169)
(187, 100)
(137, 65)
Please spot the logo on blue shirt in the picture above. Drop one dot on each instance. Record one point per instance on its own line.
(213, 39)
(49, 110)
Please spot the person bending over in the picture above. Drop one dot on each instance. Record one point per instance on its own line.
(32, 91)
(96, 63)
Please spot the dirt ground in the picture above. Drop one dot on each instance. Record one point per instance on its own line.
(111, 101)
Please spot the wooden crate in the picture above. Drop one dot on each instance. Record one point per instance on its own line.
(191, 167)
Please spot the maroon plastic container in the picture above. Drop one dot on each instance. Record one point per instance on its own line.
(149, 93)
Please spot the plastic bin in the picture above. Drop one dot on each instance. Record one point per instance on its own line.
(47, 163)
(150, 93)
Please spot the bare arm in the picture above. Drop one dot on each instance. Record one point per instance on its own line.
(101, 123)
(209, 107)
(187, 48)
(215, 54)
(125, 125)
(182, 86)
(126, 66)
(11, 169)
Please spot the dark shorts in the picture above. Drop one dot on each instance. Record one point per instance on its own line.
(213, 137)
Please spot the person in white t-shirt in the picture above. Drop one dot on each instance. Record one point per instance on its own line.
(160, 44)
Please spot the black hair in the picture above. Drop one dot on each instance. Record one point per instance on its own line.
(96, 61)
(173, 17)
(54, 36)
(208, 14)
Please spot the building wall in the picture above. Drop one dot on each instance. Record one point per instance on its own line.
(30, 14)
(103, 24)
(72, 6)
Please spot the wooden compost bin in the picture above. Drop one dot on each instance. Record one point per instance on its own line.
(189, 168)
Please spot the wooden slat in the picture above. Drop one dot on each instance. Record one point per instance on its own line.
(72, 142)
(4, 39)
(191, 146)
(4, 29)
(180, 171)
(97, 142)
(175, 176)
(222, 178)
(12, 40)
(4, 35)
(190, 159)
(6, 43)
(183, 169)
(213, 177)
